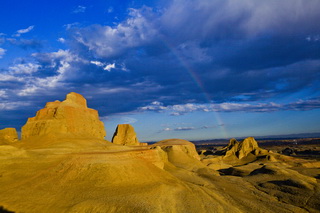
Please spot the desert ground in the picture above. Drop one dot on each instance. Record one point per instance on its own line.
(63, 164)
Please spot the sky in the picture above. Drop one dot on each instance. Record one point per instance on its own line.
(189, 69)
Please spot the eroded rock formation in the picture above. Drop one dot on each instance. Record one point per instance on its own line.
(242, 149)
(8, 135)
(70, 117)
(125, 135)
(181, 153)
(82, 173)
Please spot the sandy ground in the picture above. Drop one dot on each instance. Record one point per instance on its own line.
(78, 175)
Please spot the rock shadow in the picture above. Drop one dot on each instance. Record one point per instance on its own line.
(3, 210)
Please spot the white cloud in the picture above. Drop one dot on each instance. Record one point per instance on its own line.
(106, 41)
(9, 77)
(105, 66)
(28, 80)
(65, 58)
(27, 68)
(181, 109)
(154, 106)
(109, 67)
(3, 94)
(80, 9)
(28, 90)
(69, 26)
(184, 128)
(123, 67)
(2, 52)
(98, 63)
(113, 90)
(61, 40)
(13, 105)
(62, 61)
(23, 31)
(128, 120)
(179, 128)
(313, 38)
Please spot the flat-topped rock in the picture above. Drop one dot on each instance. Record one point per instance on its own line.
(125, 135)
(70, 117)
(8, 135)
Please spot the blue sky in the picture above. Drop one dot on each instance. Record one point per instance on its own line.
(173, 69)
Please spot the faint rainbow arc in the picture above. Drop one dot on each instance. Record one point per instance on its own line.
(198, 82)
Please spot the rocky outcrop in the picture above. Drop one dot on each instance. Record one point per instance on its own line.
(125, 135)
(70, 117)
(242, 149)
(8, 135)
(185, 146)
(181, 153)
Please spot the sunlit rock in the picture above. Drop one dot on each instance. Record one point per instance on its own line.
(125, 135)
(8, 135)
(70, 117)
(242, 149)
(181, 153)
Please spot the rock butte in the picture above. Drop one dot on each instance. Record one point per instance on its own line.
(70, 117)
(125, 135)
(248, 146)
(62, 164)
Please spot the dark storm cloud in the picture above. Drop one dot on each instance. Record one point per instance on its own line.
(189, 52)
(223, 42)
(232, 19)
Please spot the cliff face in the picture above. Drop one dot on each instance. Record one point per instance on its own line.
(70, 117)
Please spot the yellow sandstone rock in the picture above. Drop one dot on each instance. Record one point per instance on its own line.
(248, 146)
(83, 173)
(125, 135)
(8, 135)
(70, 117)
(181, 153)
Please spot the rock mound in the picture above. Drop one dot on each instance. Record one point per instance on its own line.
(8, 135)
(186, 146)
(242, 149)
(70, 117)
(181, 153)
(125, 135)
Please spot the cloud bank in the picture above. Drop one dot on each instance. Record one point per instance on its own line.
(221, 55)
(301, 105)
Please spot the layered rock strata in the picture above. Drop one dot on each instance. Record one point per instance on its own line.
(70, 117)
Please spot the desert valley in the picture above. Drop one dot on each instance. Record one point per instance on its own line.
(63, 164)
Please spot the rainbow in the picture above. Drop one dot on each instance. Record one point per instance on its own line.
(198, 83)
